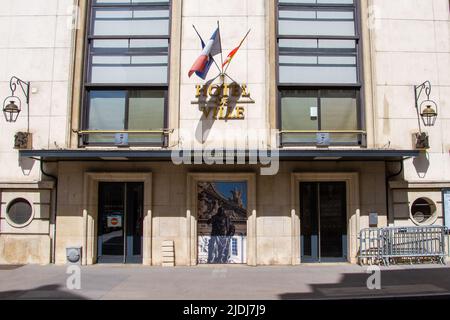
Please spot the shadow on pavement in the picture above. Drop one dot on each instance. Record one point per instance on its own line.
(50, 292)
(9, 267)
(394, 283)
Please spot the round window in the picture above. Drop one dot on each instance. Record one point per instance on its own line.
(423, 210)
(19, 213)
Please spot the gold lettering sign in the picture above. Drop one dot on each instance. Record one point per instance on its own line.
(223, 101)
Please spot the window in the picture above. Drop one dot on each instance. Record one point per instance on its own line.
(234, 247)
(126, 80)
(423, 211)
(319, 72)
(19, 213)
(446, 205)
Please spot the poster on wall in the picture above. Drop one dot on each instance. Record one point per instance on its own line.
(222, 222)
(446, 202)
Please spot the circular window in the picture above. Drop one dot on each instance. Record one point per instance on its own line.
(19, 213)
(423, 211)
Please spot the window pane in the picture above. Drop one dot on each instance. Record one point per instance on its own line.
(146, 112)
(128, 22)
(318, 61)
(106, 112)
(316, 22)
(339, 111)
(19, 212)
(322, 45)
(130, 61)
(316, 1)
(133, 69)
(130, 45)
(130, 1)
(319, 110)
(318, 74)
(299, 111)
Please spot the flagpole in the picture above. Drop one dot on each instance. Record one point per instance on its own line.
(198, 33)
(220, 37)
(240, 45)
(220, 70)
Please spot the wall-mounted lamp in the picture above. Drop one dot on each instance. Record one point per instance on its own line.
(11, 108)
(12, 105)
(427, 109)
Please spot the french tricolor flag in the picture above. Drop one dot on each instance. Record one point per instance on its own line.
(205, 60)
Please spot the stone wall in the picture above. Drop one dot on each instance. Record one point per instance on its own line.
(274, 230)
(411, 44)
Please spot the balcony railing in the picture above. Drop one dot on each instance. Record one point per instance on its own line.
(323, 138)
(154, 138)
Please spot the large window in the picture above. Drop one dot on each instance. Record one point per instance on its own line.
(126, 80)
(319, 72)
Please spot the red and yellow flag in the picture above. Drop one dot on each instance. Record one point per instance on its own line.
(234, 51)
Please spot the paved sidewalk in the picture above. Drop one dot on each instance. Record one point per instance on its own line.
(224, 283)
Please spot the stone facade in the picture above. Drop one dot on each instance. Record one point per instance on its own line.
(275, 205)
(410, 43)
(36, 46)
(405, 42)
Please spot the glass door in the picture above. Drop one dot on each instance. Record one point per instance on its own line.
(134, 226)
(309, 222)
(120, 219)
(323, 221)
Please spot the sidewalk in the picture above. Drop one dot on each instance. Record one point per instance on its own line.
(222, 282)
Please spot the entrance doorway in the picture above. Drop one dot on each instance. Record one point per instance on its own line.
(222, 222)
(120, 222)
(323, 220)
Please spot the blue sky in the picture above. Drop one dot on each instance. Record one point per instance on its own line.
(226, 187)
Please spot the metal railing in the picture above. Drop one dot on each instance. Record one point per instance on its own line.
(411, 244)
(338, 138)
(371, 246)
(448, 245)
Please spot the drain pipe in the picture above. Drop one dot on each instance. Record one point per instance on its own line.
(54, 205)
(388, 179)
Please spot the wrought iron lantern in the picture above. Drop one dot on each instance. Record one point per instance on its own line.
(428, 109)
(429, 113)
(12, 105)
(11, 108)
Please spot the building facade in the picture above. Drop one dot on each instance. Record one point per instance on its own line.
(280, 157)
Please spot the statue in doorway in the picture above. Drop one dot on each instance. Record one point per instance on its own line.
(222, 232)
(237, 197)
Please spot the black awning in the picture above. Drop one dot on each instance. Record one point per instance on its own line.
(166, 155)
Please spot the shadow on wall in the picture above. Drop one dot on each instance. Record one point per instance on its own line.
(204, 125)
(422, 164)
(50, 292)
(215, 104)
(420, 282)
(386, 121)
(26, 164)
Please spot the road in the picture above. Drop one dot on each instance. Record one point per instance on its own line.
(120, 282)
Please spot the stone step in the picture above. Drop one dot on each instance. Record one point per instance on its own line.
(168, 253)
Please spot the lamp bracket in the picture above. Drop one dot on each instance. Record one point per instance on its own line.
(25, 86)
(426, 86)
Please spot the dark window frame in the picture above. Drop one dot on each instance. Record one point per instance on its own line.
(13, 220)
(420, 205)
(358, 86)
(88, 86)
(319, 98)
